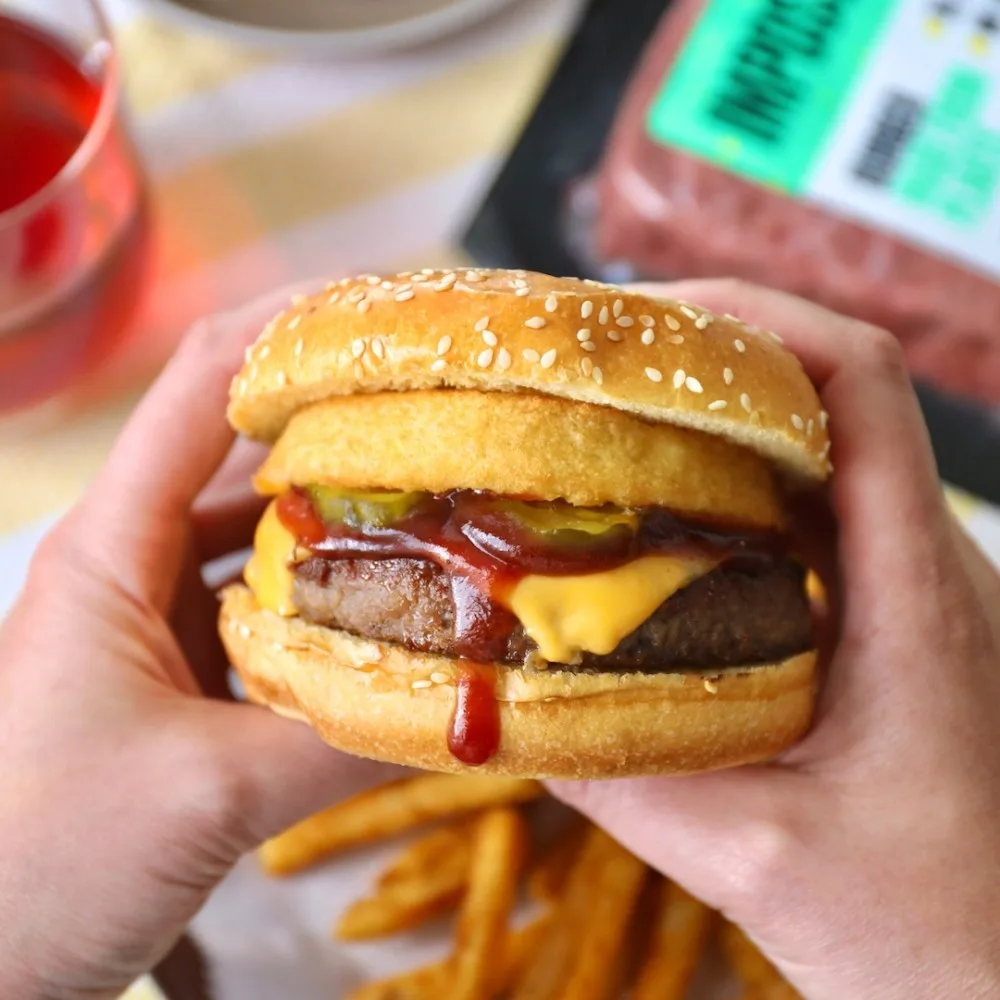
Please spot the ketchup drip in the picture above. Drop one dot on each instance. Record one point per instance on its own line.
(474, 730)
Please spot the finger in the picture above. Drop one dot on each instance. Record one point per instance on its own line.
(720, 835)
(137, 510)
(885, 491)
(226, 512)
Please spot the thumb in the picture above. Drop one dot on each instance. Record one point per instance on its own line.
(723, 836)
(275, 771)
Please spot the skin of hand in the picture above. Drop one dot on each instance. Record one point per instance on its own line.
(126, 793)
(865, 862)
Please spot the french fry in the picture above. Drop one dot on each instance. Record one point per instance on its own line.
(680, 932)
(617, 886)
(482, 921)
(431, 982)
(550, 870)
(428, 852)
(603, 882)
(407, 901)
(387, 811)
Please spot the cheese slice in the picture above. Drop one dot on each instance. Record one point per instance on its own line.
(567, 615)
(267, 573)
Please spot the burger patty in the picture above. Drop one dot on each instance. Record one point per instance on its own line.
(729, 617)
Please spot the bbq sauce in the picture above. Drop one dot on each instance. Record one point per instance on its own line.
(474, 730)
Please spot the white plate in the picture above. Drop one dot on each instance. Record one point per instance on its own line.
(338, 27)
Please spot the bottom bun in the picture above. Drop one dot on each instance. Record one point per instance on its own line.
(383, 701)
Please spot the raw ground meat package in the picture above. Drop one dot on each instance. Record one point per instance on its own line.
(845, 150)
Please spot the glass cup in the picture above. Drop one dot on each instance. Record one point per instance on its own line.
(71, 219)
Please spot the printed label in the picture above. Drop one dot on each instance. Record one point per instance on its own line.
(886, 112)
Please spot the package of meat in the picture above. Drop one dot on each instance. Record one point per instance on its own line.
(844, 150)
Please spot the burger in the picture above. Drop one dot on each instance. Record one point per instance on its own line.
(531, 525)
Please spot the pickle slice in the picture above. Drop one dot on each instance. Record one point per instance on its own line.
(556, 518)
(362, 510)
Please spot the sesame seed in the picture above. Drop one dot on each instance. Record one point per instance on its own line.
(551, 304)
(654, 374)
(281, 378)
(482, 324)
(731, 317)
(444, 285)
(823, 418)
(485, 359)
(727, 376)
(373, 279)
(797, 422)
(587, 309)
(523, 291)
(490, 338)
(243, 386)
(745, 402)
(740, 346)
(294, 322)
(244, 630)
(444, 345)
(355, 295)
(549, 358)
(473, 276)
(248, 355)
(364, 305)
(598, 375)
(503, 359)
(618, 308)
(583, 335)
(702, 321)
(277, 647)
(648, 337)
(420, 685)
(520, 282)
(253, 373)
(809, 427)
(589, 345)
(676, 338)
(718, 404)
(647, 321)
(614, 335)
(672, 322)
(679, 377)
(404, 296)
(389, 286)
(438, 677)
(774, 336)
(297, 300)
(378, 347)
(826, 450)
(535, 322)
(439, 365)
(333, 298)
(266, 350)
(711, 687)
(586, 367)
(424, 270)
(296, 350)
(529, 355)
(693, 384)
(602, 316)
(689, 312)
(625, 322)
(357, 348)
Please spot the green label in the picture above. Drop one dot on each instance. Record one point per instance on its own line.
(759, 84)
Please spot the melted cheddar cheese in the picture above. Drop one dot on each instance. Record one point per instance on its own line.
(267, 573)
(568, 615)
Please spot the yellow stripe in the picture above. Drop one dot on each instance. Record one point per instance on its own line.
(357, 153)
(164, 64)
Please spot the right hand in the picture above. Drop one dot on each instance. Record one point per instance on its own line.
(866, 861)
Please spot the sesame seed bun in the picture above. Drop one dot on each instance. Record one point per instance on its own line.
(512, 331)
(436, 441)
(384, 702)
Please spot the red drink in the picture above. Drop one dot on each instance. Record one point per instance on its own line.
(70, 232)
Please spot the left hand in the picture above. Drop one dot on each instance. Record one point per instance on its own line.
(127, 794)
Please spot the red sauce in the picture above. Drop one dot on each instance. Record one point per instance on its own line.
(474, 731)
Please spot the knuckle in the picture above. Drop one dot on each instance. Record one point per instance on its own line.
(881, 352)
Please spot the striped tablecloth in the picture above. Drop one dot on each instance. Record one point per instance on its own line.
(266, 167)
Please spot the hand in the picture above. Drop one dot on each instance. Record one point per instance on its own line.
(866, 861)
(126, 794)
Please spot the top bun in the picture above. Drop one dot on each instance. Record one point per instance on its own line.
(507, 331)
